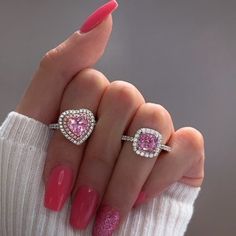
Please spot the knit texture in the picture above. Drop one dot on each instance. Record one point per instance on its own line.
(23, 145)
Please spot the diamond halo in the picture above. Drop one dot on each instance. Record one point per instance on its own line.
(147, 143)
(76, 125)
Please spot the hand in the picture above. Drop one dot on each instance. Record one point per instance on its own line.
(103, 172)
(106, 173)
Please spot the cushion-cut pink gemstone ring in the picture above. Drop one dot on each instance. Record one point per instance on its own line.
(75, 125)
(147, 142)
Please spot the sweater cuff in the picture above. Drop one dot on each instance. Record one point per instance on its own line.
(24, 130)
(167, 214)
(183, 193)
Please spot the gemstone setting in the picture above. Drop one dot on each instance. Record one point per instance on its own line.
(147, 143)
(77, 125)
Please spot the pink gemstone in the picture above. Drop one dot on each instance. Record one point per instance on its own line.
(78, 125)
(147, 142)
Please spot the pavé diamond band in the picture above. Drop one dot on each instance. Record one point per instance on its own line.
(75, 125)
(147, 143)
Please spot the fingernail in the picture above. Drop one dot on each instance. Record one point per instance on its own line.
(58, 188)
(140, 199)
(106, 222)
(83, 207)
(98, 16)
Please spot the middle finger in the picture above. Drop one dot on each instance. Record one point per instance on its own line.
(118, 105)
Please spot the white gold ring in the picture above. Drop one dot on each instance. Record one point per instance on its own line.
(147, 143)
(75, 125)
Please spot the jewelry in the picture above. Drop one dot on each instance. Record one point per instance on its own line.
(147, 142)
(75, 125)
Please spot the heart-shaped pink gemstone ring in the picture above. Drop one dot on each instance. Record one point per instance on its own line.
(75, 125)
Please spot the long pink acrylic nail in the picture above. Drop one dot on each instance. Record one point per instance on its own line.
(106, 222)
(98, 16)
(83, 207)
(58, 188)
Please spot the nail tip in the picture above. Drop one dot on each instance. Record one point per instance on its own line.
(52, 208)
(51, 205)
(116, 3)
(77, 226)
(98, 16)
(107, 221)
(84, 207)
(58, 187)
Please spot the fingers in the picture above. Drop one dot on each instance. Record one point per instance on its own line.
(118, 105)
(185, 163)
(131, 171)
(81, 50)
(63, 158)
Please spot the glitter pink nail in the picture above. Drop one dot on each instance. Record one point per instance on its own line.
(107, 221)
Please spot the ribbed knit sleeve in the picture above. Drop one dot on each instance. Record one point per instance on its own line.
(23, 145)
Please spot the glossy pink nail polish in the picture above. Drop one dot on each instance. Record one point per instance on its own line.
(140, 199)
(83, 207)
(58, 188)
(106, 222)
(98, 16)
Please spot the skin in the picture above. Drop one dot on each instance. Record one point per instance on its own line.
(66, 84)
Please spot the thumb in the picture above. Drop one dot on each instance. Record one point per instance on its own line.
(82, 49)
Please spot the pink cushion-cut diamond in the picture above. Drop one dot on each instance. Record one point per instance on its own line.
(78, 125)
(147, 142)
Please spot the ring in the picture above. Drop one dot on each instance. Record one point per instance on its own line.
(147, 143)
(75, 125)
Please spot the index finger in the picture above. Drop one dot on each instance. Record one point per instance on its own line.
(81, 50)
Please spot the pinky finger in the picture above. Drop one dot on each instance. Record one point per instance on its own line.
(185, 164)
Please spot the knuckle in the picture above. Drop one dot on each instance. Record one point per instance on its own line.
(89, 80)
(158, 114)
(193, 140)
(125, 93)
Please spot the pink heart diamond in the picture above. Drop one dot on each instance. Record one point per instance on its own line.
(78, 125)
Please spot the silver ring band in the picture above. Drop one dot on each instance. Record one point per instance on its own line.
(54, 126)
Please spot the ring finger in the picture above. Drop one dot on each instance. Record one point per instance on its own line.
(131, 171)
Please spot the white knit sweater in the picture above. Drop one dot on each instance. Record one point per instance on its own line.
(23, 144)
